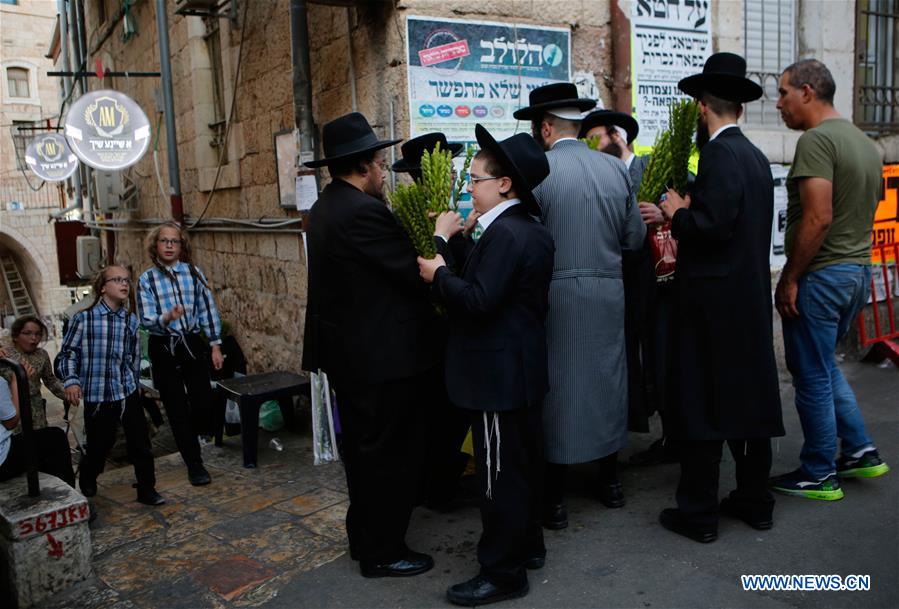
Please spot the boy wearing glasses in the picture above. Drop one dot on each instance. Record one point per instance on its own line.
(496, 358)
(99, 362)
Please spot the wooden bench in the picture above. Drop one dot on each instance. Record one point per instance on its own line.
(250, 392)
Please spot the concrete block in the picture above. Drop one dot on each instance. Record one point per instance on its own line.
(46, 544)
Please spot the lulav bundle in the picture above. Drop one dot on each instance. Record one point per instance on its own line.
(437, 178)
(411, 208)
(671, 152)
(417, 205)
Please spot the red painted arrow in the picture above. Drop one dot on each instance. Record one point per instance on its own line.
(55, 547)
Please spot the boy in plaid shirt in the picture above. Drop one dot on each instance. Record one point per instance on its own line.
(100, 363)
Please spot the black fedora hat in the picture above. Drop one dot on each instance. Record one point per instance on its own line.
(413, 150)
(348, 136)
(555, 95)
(523, 160)
(610, 117)
(724, 76)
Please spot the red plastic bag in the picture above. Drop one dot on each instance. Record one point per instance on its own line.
(664, 252)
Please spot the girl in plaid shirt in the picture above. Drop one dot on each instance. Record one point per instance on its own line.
(100, 362)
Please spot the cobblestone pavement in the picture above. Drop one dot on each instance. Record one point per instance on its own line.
(275, 537)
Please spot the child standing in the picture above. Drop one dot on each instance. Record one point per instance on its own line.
(175, 304)
(100, 362)
(496, 357)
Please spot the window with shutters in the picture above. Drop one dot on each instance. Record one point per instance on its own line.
(17, 79)
(877, 66)
(770, 43)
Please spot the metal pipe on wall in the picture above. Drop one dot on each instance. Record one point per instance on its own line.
(80, 51)
(67, 84)
(171, 139)
(622, 100)
(302, 78)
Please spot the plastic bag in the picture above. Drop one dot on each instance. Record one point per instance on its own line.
(270, 417)
(324, 438)
(232, 413)
(664, 252)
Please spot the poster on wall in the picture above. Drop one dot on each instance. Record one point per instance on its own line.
(669, 41)
(50, 158)
(107, 130)
(779, 224)
(465, 72)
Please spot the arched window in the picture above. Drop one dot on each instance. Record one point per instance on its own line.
(17, 79)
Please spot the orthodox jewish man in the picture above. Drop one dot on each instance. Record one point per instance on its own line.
(646, 298)
(496, 358)
(447, 425)
(588, 206)
(369, 326)
(723, 377)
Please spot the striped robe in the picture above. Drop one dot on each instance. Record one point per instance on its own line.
(589, 206)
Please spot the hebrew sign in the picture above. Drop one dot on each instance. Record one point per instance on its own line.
(107, 130)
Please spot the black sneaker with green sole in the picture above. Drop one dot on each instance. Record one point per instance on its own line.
(797, 483)
(867, 465)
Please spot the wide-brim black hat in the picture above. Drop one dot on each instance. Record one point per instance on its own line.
(724, 76)
(346, 137)
(610, 117)
(555, 95)
(521, 158)
(413, 149)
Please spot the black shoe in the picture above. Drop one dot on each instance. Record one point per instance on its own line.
(197, 474)
(555, 517)
(658, 452)
(611, 495)
(88, 487)
(481, 591)
(413, 563)
(732, 509)
(535, 562)
(674, 521)
(149, 497)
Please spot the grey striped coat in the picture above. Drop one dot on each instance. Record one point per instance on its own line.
(589, 206)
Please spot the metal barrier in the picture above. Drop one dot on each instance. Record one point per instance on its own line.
(884, 322)
(34, 487)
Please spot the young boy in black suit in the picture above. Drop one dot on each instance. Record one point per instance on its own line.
(496, 357)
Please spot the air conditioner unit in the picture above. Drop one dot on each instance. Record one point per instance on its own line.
(89, 256)
(110, 188)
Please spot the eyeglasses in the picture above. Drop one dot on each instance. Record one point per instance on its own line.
(475, 179)
(32, 334)
(119, 280)
(169, 241)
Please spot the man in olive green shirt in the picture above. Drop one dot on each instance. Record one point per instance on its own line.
(834, 186)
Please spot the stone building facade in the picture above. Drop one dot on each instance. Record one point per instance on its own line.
(257, 270)
(28, 97)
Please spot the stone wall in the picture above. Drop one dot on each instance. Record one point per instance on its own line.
(258, 279)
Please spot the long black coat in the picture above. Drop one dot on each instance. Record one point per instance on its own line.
(368, 317)
(723, 377)
(496, 352)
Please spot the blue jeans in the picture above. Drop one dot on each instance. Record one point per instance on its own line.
(829, 300)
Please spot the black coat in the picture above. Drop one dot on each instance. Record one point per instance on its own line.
(723, 377)
(496, 351)
(368, 317)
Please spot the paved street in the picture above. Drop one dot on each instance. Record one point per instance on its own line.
(274, 537)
